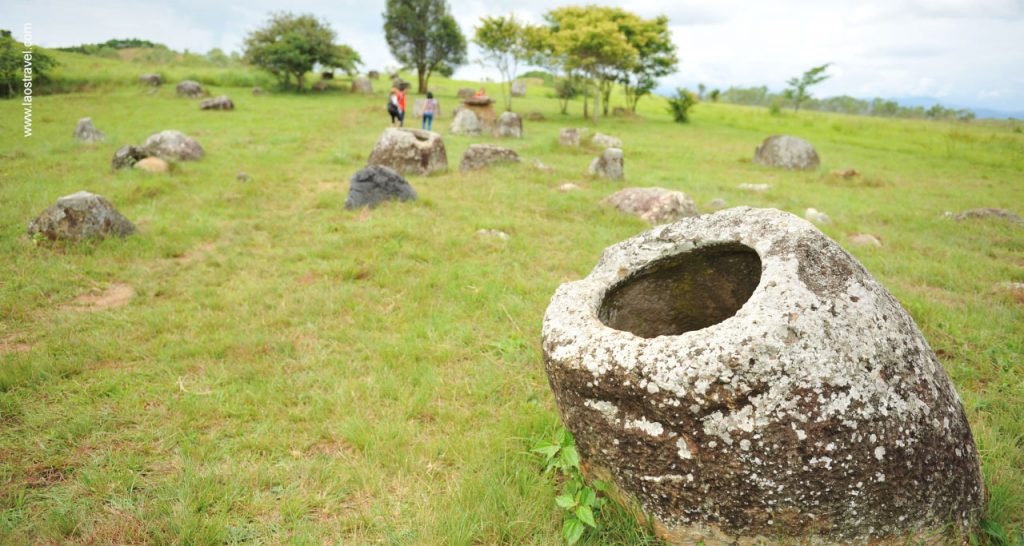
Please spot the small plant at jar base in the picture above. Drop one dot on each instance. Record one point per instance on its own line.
(580, 501)
(679, 105)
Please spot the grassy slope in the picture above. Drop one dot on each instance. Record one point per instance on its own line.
(291, 371)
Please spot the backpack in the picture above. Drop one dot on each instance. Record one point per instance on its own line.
(392, 107)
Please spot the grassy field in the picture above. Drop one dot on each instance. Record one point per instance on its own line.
(286, 371)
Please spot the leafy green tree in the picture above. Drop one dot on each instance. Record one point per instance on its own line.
(423, 34)
(656, 57)
(504, 43)
(292, 45)
(591, 43)
(797, 91)
(12, 66)
(715, 95)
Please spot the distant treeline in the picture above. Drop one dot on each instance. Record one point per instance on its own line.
(761, 96)
(122, 43)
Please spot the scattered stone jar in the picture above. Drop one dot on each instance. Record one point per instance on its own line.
(746, 381)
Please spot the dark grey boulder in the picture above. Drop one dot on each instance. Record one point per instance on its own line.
(126, 156)
(748, 382)
(79, 216)
(189, 89)
(151, 79)
(376, 184)
(86, 132)
(218, 103)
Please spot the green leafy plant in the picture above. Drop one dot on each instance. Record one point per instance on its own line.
(679, 105)
(581, 502)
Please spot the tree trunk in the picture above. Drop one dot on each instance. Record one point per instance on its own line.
(421, 73)
(597, 103)
(300, 78)
(586, 101)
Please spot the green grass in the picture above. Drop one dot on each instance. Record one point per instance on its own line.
(291, 372)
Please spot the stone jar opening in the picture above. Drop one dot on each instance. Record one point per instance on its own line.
(685, 292)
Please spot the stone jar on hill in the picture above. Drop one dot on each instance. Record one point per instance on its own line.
(410, 151)
(747, 381)
(787, 152)
(480, 156)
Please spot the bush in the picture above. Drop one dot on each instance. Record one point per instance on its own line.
(680, 105)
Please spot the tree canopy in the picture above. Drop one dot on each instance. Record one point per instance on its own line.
(504, 43)
(12, 65)
(605, 46)
(292, 45)
(797, 91)
(422, 34)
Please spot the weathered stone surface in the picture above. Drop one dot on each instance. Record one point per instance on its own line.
(718, 204)
(152, 165)
(479, 156)
(610, 164)
(362, 85)
(748, 382)
(542, 167)
(518, 88)
(242, 176)
(509, 125)
(466, 123)
(86, 132)
(493, 233)
(759, 188)
(986, 213)
(655, 205)
(373, 75)
(602, 140)
(483, 100)
(78, 216)
(864, 239)
(126, 156)
(189, 89)
(569, 137)
(816, 216)
(219, 103)
(410, 151)
(172, 145)
(535, 116)
(375, 184)
(787, 152)
(258, 92)
(151, 79)
(466, 93)
(568, 186)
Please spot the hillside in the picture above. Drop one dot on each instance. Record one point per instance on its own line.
(282, 370)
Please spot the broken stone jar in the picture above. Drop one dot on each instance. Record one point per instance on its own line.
(746, 381)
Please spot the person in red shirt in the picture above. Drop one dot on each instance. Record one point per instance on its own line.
(401, 107)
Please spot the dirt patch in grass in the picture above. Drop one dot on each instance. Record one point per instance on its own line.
(195, 254)
(307, 279)
(116, 295)
(38, 476)
(14, 344)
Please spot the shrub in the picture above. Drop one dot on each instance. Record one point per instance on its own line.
(680, 105)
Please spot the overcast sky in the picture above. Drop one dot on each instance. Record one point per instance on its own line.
(962, 52)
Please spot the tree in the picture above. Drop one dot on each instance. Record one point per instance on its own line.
(292, 45)
(12, 66)
(505, 43)
(797, 91)
(656, 57)
(589, 41)
(424, 35)
(679, 105)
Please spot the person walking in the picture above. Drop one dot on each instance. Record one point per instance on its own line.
(394, 108)
(401, 107)
(430, 107)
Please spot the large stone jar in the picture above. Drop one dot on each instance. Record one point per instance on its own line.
(747, 381)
